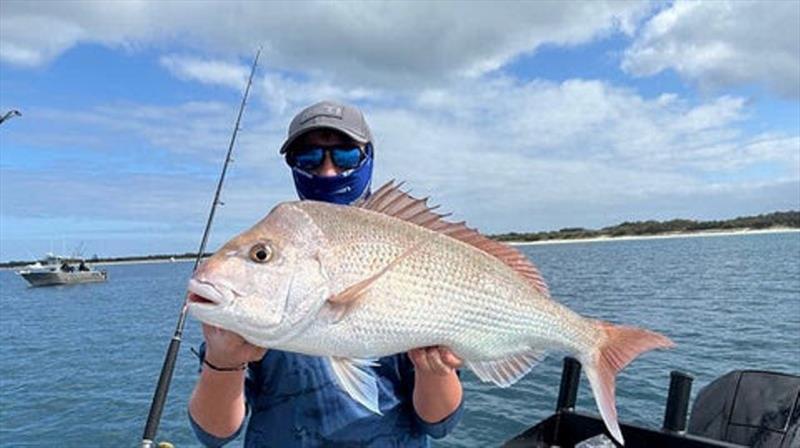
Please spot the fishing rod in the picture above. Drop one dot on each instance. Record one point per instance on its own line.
(167, 369)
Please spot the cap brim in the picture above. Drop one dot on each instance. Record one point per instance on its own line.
(289, 141)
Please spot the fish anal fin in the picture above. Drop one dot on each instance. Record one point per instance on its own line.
(506, 371)
(390, 200)
(356, 378)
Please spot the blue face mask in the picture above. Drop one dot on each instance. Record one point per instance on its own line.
(344, 188)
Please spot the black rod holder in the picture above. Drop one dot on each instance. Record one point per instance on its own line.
(570, 380)
(677, 410)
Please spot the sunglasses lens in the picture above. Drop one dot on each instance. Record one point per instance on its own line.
(309, 159)
(347, 158)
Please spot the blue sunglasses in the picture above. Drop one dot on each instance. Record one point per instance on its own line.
(310, 158)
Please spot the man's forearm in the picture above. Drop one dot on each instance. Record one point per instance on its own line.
(217, 403)
(436, 396)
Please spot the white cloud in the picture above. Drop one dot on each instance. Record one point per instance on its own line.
(206, 71)
(282, 94)
(33, 33)
(502, 150)
(192, 128)
(367, 43)
(18, 45)
(723, 43)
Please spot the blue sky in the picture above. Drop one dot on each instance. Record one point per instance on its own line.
(533, 116)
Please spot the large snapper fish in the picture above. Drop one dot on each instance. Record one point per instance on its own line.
(354, 283)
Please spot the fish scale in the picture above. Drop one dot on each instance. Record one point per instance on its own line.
(390, 275)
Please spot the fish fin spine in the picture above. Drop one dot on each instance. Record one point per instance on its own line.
(390, 200)
(618, 346)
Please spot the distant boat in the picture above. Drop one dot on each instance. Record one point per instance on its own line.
(55, 270)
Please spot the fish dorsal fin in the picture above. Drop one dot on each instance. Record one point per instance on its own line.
(392, 201)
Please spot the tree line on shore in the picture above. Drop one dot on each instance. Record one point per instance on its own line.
(789, 219)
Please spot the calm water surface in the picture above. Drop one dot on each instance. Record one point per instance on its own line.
(79, 363)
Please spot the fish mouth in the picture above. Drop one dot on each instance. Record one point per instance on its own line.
(206, 294)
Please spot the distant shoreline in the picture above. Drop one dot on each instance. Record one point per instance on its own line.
(704, 233)
(727, 232)
(142, 261)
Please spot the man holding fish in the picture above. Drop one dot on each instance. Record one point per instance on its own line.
(295, 399)
(385, 275)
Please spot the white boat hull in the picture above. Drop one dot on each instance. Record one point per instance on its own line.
(63, 278)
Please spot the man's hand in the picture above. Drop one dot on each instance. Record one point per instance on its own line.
(217, 403)
(437, 360)
(227, 349)
(437, 389)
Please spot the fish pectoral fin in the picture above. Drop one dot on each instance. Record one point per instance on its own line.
(355, 377)
(356, 291)
(506, 371)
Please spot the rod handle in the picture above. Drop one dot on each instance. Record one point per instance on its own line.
(160, 395)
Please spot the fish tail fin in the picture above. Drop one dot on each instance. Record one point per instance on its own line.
(617, 347)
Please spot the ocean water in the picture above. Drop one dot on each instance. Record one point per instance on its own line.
(78, 364)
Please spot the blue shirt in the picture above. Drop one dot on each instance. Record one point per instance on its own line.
(293, 402)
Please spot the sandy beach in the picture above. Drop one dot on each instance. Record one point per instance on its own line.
(708, 233)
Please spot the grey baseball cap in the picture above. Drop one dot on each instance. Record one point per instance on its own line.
(332, 115)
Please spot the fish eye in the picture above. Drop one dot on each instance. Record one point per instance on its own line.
(261, 253)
